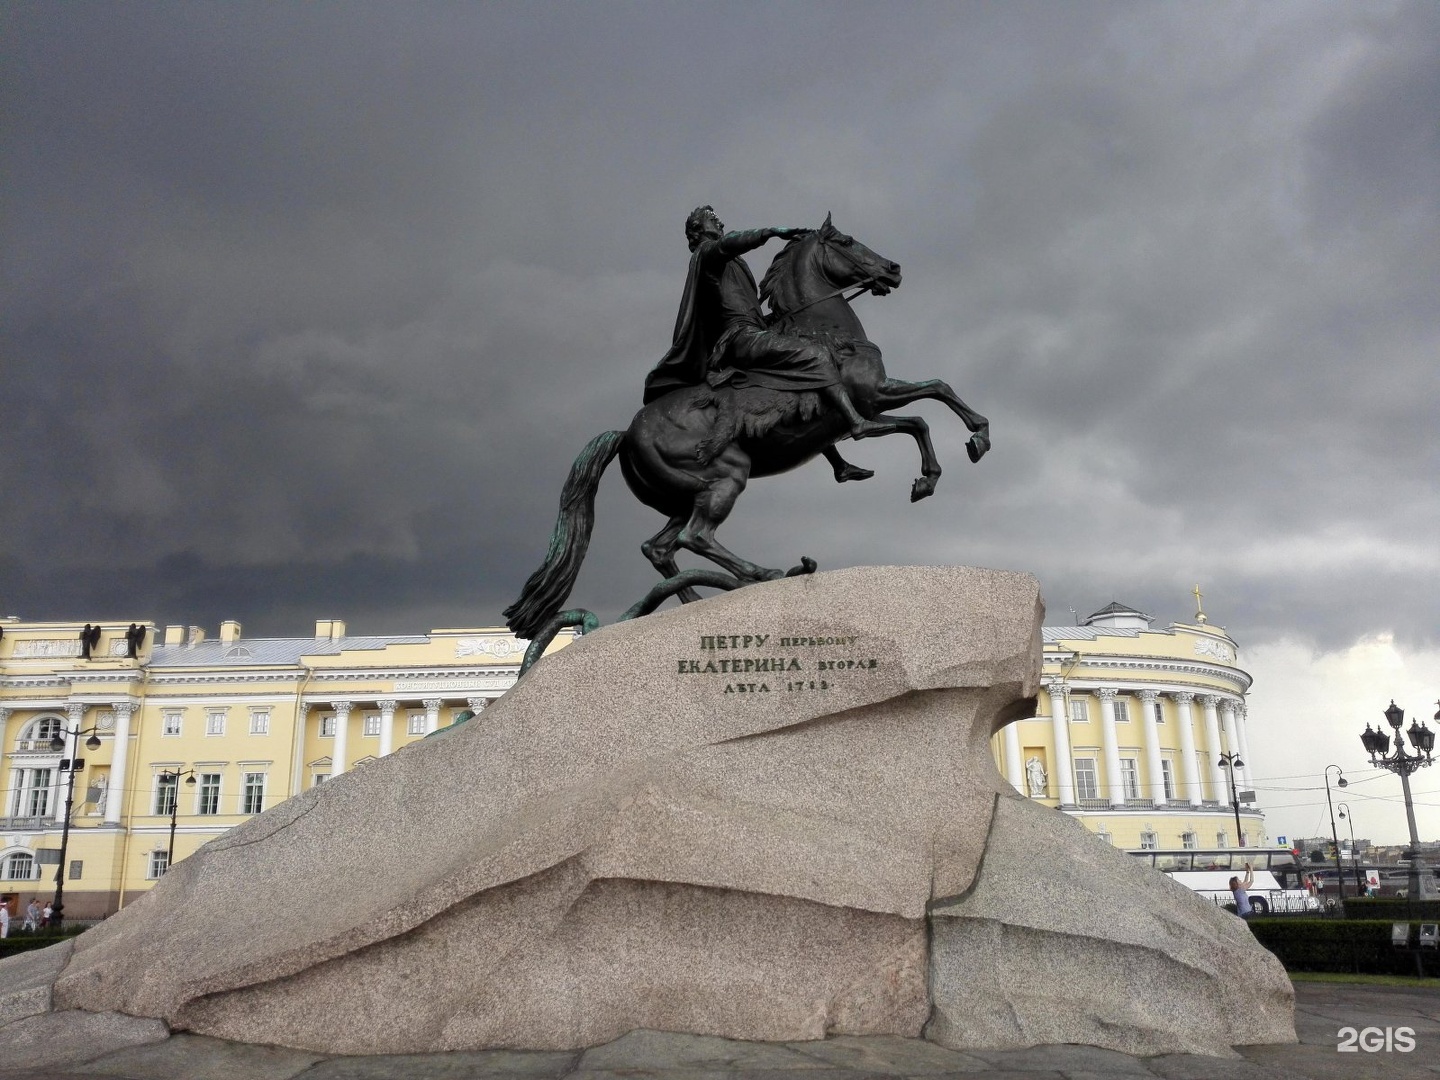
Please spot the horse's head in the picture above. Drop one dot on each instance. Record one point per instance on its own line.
(822, 262)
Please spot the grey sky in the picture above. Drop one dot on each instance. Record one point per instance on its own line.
(308, 308)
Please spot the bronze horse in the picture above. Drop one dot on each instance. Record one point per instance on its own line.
(690, 453)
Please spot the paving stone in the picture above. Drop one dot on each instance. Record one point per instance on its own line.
(466, 1065)
(821, 1073)
(890, 1054)
(1203, 1067)
(64, 1039)
(1326, 1063)
(667, 1050)
(1066, 1058)
(198, 1057)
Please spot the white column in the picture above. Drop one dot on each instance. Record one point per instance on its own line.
(1063, 768)
(387, 725)
(119, 759)
(1149, 699)
(432, 713)
(1189, 763)
(1242, 718)
(342, 735)
(1216, 748)
(1014, 767)
(75, 719)
(1114, 781)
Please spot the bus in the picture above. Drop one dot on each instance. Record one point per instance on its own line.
(1281, 886)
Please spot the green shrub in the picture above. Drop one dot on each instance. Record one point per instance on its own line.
(1353, 945)
(1397, 909)
(18, 943)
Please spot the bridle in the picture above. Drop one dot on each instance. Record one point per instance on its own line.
(860, 286)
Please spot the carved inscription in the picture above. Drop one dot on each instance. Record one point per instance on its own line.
(774, 664)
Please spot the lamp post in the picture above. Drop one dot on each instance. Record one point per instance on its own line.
(57, 744)
(1349, 819)
(174, 778)
(1231, 762)
(1377, 744)
(1334, 835)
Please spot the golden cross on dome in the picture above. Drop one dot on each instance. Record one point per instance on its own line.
(1200, 611)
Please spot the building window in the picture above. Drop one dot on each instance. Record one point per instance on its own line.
(32, 793)
(320, 778)
(252, 796)
(327, 726)
(77, 869)
(1159, 712)
(1130, 773)
(159, 863)
(18, 866)
(259, 721)
(370, 724)
(1087, 785)
(415, 724)
(1167, 776)
(1149, 840)
(215, 722)
(167, 789)
(208, 799)
(1189, 841)
(1079, 711)
(1103, 835)
(38, 735)
(170, 725)
(1222, 839)
(1122, 711)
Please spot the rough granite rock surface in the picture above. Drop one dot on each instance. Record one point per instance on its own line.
(1065, 940)
(729, 819)
(26, 979)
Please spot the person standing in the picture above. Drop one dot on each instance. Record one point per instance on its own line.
(4, 918)
(32, 917)
(1238, 890)
(45, 916)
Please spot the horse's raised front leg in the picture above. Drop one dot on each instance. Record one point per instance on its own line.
(896, 394)
(660, 550)
(917, 429)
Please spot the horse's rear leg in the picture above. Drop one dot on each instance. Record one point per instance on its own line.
(896, 394)
(711, 507)
(660, 550)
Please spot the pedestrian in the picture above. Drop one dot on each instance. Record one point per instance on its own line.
(4, 918)
(32, 917)
(45, 915)
(1242, 898)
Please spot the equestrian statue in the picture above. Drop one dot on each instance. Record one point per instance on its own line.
(740, 394)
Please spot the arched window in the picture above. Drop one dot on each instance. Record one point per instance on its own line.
(18, 866)
(37, 734)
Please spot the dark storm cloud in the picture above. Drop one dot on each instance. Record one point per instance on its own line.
(307, 309)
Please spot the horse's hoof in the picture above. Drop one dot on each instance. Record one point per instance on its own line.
(923, 488)
(807, 566)
(976, 447)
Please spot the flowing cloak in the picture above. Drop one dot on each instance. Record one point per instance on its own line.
(706, 337)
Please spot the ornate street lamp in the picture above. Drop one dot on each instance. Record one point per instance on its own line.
(1231, 762)
(1349, 819)
(174, 778)
(1377, 745)
(1334, 835)
(57, 745)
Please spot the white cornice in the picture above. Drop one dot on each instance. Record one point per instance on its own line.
(1169, 665)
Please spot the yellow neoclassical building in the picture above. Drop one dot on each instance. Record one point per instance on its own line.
(194, 734)
(1133, 730)
(188, 736)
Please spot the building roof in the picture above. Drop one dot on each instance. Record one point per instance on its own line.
(271, 650)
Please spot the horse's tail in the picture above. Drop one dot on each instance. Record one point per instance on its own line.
(547, 588)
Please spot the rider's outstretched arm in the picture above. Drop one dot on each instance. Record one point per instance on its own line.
(743, 240)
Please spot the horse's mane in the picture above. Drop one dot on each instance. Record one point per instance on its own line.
(780, 270)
